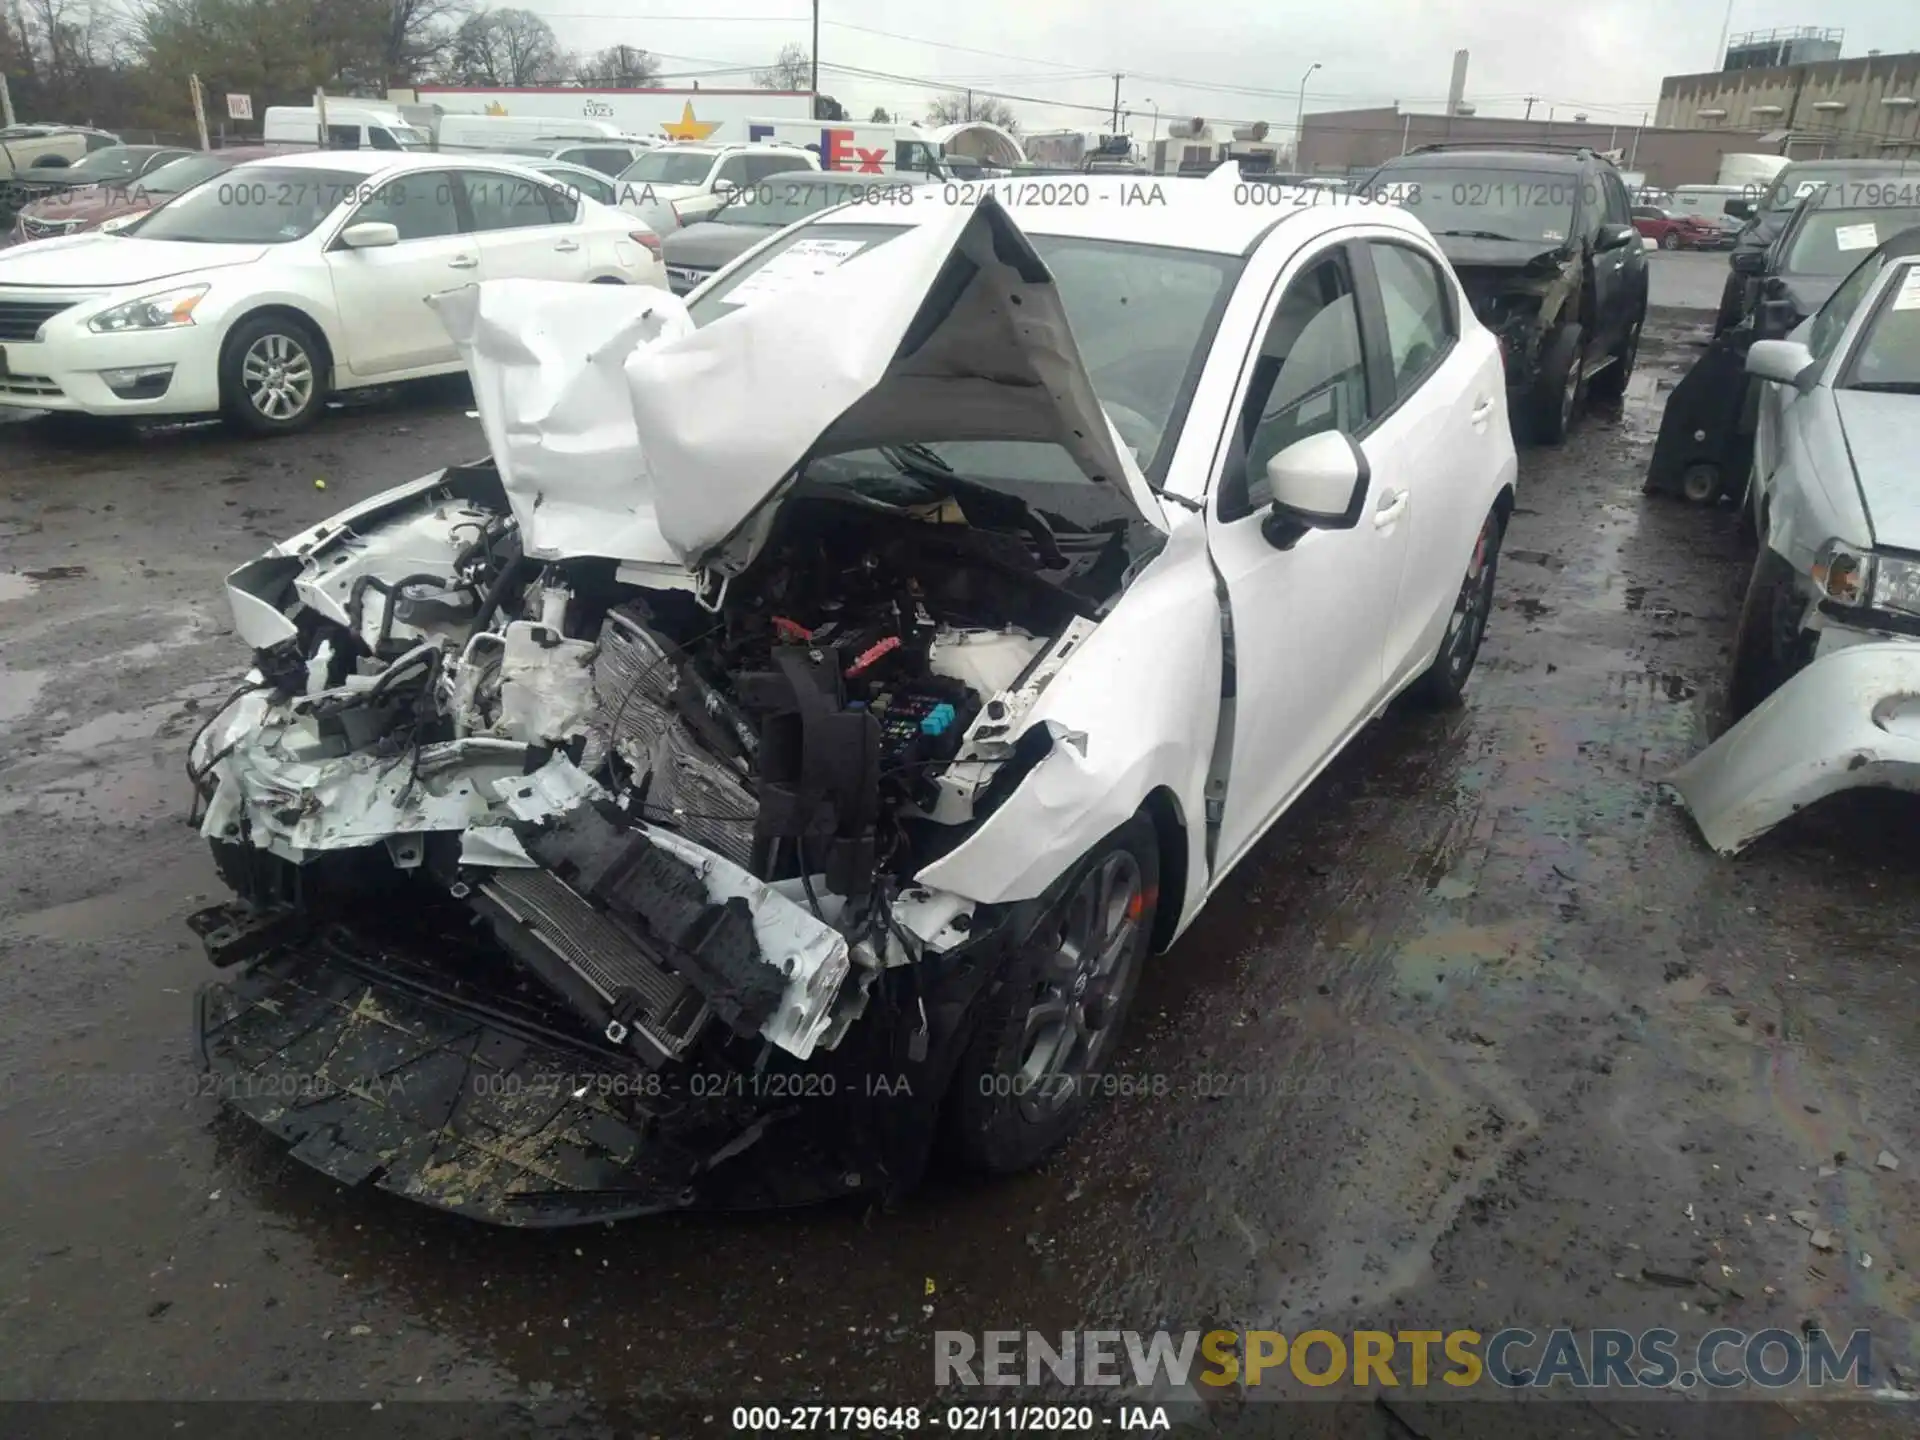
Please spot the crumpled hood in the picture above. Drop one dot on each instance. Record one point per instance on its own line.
(1465, 252)
(952, 331)
(548, 361)
(1880, 430)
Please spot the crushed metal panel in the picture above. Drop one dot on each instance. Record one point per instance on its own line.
(546, 358)
(952, 331)
(1848, 721)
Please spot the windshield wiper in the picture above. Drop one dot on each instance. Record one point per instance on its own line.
(1483, 235)
(1888, 387)
(913, 456)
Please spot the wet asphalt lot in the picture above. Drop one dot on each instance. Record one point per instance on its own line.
(1498, 1037)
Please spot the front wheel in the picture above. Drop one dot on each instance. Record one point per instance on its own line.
(272, 376)
(1670, 240)
(1767, 647)
(1048, 1028)
(1556, 395)
(1443, 684)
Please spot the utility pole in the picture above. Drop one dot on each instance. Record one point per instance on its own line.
(1300, 116)
(816, 59)
(1116, 102)
(199, 109)
(1532, 100)
(969, 107)
(6, 103)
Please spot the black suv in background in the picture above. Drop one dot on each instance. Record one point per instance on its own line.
(1858, 183)
(1544, 244)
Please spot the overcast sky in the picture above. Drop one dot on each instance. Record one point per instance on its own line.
(1222, 59)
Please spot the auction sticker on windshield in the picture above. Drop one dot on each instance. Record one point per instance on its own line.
(1907, 299)
(1856, 237)
(800, 262)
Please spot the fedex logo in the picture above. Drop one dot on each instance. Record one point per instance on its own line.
(836, 150)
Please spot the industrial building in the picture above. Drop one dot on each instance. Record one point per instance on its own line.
(1793, 85)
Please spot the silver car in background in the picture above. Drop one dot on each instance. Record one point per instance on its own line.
(1825, 687)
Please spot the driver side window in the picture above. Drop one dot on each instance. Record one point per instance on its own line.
(1309, 375)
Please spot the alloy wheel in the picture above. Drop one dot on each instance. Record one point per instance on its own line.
(277, 374)
(1072, 1019)
(1474, 603)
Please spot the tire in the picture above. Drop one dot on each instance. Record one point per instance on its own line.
(1611, 383)
(1443, 684)
(1766, 647)
(263, 365)
(1009, 1107)
(1556, 395)
(1670, 240)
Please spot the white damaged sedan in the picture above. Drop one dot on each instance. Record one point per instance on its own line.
(789, 745)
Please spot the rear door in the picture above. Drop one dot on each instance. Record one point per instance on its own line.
(1438, 434)
(1309, 622)
(525, 229)
(381, 293)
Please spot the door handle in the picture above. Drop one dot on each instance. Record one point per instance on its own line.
(567, 247)
(463, 262)
(1480, 412)
(1392, 505)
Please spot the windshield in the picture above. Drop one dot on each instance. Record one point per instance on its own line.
(1888, 355)
(178, 175)
(1142, 315)
(116, 162)
(779, 200)
(410, 137)
(1534, 206)
(670, 167)
(1868, 185)
(1832, 242)
(252, 205)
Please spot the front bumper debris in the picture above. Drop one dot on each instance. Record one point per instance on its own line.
(1850, 720)
(422, 1068)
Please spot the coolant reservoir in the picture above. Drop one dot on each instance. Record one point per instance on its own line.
(985, 661)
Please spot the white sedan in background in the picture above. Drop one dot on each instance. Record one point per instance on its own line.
(267, 287)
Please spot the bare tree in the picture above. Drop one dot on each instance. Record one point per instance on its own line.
(880, 116)
(505, 47)
(619, 67)
(419, 35)
(792, 69)
(957, 106)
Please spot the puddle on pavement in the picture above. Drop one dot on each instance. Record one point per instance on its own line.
(18, 691)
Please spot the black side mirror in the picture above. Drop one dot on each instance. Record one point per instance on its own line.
(1612, 237)
(1739, 209)
(1749, 262)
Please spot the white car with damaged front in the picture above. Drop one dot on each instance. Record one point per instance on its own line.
(1826, 662)
(853, 672)
(264, 289)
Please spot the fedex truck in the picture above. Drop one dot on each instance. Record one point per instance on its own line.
(864, 149)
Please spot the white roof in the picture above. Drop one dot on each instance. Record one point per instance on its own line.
(1218, 213)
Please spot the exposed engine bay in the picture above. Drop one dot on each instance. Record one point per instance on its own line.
(679, 829)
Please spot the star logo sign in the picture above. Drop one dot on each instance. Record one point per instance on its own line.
(495, 108)
(688, 128)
